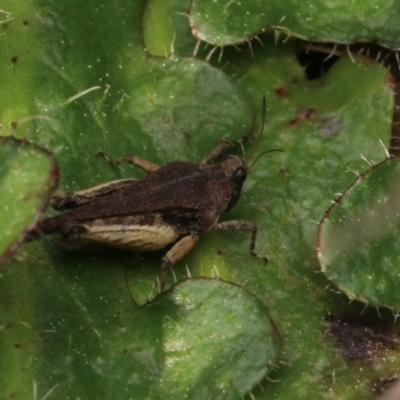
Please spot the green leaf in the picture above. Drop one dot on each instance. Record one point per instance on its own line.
(214, 332)
(324, 127)
(202, 336)
(94, 94)
(163, 110)
(358, 246)
(28, 175)
(230, 22)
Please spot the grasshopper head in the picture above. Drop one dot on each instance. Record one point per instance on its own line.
(236, 172)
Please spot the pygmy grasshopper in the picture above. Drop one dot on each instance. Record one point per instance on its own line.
(174, 204)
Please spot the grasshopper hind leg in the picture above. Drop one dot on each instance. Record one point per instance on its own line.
(133, 233)
(178, 251)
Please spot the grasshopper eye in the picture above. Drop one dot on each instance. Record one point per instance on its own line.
(239, 175)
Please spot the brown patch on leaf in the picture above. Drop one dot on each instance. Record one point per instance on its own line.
(361, 341)
(303, 115)
(294, 121)
(282, 92)
(309, 113)
(284, 171)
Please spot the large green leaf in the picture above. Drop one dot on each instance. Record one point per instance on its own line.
(189, 342)
(229, 22)
(81, 94)
(358, 246)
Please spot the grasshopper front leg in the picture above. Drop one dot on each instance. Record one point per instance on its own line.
(133, 160)
(242, 225)
(220, 147)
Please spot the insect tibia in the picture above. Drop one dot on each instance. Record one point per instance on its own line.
(241, 225)
(219, 148)
(254, 254)
(134, 160)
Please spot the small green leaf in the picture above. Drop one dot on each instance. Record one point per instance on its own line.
(28, 175)
(229, 22)
(219, 340)
(358, 243)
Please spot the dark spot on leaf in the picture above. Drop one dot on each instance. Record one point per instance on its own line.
(125, 351)
(55, 175)
(282, 92)
(4, 26)
(284, 171)
(17, 346)
(330, 126)
(293, 121)
(14, 59)
(308, 113)
(316, 64)
(219, 252)
(361, 341)
(294, 81)
(186, 135)
(14, 125)
(391, 82)
(25, 22)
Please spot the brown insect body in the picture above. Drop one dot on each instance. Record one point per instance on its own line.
(188, 193)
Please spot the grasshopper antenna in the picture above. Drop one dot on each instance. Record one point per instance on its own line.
(260, 137)
(261, 154)
(262, 129)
